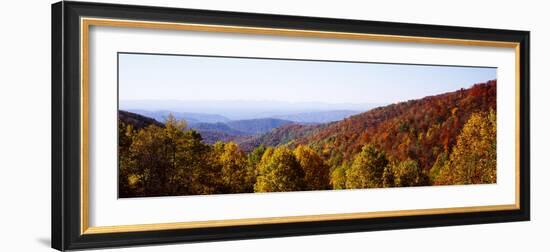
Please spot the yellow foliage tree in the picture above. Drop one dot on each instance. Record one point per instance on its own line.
(473, 159)
(367, 168)
(234, 168)
(316, 172)
(125, 135)
(279, 171)
(338, 176)
(165, 160)
(254, 159)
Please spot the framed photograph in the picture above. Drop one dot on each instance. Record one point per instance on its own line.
(180, 125)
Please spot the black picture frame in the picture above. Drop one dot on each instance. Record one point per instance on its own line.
(66, 155)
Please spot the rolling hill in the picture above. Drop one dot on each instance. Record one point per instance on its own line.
(278, 136)
(219, 127)
(238, 131)
(136, 120)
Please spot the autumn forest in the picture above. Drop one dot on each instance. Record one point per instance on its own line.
(444, 139)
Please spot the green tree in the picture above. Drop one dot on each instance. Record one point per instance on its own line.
(316, 172)
(255, 156)
(473, 159)
(367, 168)
(408, 173)
(254, 159)
(279, 171)
(338, 176)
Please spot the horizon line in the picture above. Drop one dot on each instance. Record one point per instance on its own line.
(297, 102)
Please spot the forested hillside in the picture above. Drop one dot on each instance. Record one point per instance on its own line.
(418, 129)
(444, 139)
(136, 120)
(279, 136)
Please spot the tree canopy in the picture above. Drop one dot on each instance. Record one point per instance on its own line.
(367, 168)
(279, 172)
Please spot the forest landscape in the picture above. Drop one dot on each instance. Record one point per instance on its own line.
(198, 125)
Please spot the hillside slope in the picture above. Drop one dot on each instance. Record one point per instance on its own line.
(418, 129)
(278, 136)
(136, 120)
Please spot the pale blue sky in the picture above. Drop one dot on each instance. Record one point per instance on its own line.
(195, 78)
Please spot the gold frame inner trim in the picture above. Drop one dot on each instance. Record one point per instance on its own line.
(86, 23)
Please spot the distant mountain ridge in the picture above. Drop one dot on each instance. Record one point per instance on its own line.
(318, 116)
(238, 130)
(257, 126)
(215, 127)
(136, 120)
(220, 127)
(242, 110)
(190, 118)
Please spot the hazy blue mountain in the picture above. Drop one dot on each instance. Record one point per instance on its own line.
(243, 121)
(257, 126)
(319, 116)
(241, 127)
(213, 136)
(210, 132)
(191, 118)
(242, 110)
(217, 127)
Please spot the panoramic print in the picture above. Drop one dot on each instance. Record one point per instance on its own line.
(198, 125)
